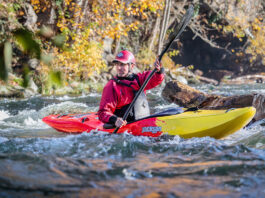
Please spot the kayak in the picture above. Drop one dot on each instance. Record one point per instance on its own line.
(175, 121)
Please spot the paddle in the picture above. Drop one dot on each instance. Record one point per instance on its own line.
(178, 29)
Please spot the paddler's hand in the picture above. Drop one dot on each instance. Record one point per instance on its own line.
(120, 122)
(158, 65)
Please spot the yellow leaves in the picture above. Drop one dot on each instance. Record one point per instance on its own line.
(107, 18)
(168, 62)
(242, 25)
(152, 6)
(83, 59)
(239, 34)
(119, 17)
(40, 5)
(145, 57)
(240, 54)
(173, 53)
(257, 46)
(256, 27)
(228, 29)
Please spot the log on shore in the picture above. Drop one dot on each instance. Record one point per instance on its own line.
(186, 96)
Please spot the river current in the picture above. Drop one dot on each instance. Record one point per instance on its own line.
(38, 161)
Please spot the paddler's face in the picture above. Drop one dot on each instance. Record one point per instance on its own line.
(123, 69)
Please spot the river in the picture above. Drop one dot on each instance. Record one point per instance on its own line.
(37, 161)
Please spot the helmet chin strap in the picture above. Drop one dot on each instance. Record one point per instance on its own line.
(129, 68)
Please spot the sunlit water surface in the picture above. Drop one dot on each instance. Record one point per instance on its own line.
(37, 161)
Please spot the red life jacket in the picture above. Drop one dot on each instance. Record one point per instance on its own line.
(117, 96)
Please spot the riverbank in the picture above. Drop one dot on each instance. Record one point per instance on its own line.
(14, 89)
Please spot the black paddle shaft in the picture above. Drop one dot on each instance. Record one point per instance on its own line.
(177, 31)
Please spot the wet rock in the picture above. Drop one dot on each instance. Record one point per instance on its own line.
(190, 77)
(208, 80)
(247, 79)
(219, 74)
(33, 63)
(179, 78)
(31, 90)
(182, 94)
(198, 72)
(63, 90)
(31, 18)
(12, 88)
(10, 92)
(16, 91)
(256, 100)
(186, 96)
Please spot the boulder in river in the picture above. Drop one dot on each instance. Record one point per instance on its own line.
(250, 79)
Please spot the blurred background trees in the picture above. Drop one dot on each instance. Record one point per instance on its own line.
(56, 42)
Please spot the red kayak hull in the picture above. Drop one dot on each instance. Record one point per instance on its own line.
(78, 123)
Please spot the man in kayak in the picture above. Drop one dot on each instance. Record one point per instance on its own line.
(119, 92)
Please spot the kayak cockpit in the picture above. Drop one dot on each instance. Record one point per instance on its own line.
(167, 112)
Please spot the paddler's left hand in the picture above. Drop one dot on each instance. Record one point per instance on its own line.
(120, 122)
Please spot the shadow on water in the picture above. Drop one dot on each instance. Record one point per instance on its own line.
(98, 165)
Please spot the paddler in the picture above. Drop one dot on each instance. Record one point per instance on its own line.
(119, 92)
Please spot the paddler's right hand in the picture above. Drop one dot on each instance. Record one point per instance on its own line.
(120, 122)
(158, 65)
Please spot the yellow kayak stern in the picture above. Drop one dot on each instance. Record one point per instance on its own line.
(201, 123)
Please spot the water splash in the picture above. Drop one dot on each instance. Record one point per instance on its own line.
(4, 114)
(247, 134)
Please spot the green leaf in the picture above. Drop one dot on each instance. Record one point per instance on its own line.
(26, 76)
(29, 45)
(3, 69)
(58, 2)
(56, 78)
(196, 10)
(16, 6)
(46, 58)
(59, 40)
(46, 31)
(8, 55)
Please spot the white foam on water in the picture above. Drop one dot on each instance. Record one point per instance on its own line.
(26, 119)
(34, 124)
(245, 133)
(64, 108)
(4, 114)
(175, 140)
(66, 97)
(198, 141)
(32, 119)
(129, 174)
(3, 139)
(93, 95)
(164, 107)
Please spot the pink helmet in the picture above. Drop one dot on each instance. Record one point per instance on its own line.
(125, 57)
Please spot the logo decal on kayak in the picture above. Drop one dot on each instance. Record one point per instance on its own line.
(151, 129)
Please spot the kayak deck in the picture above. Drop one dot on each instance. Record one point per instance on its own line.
(200, 123)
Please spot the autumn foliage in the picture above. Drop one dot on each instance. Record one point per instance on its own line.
(243, 26)
(69, 34)
(86, 24)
